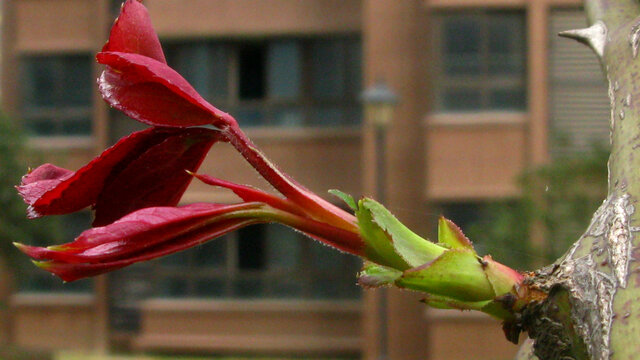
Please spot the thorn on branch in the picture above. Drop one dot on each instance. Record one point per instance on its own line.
(594, 37)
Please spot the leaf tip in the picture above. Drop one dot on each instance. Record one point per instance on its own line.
(348, 199)
(22, 247)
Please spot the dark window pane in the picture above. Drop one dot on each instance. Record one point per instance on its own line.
(353, 67)
(210, 287)
(56, 93)
(327, 116)
(462, 99)
(173, 287)
(252, 62)
(462, 44)
(506, 64)
(251, 248)
(76, 81)
(283, 287)
(328, 70)
(40, 126)
(248, 288)
(353, 114)
(507, 99)
(39, 84)
(176, 260)
(219, 63)
(284, 250)
(288, 117)
(76, 126)
(506, 45)
(483, 61)
(324, 258)
(250, 116)
(325, 288)
(285, 70)
(211, 254)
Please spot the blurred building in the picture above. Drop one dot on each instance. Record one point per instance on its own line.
(485, 89)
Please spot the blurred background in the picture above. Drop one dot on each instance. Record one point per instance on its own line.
(473, 109)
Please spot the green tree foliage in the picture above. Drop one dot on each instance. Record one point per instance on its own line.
(14, 226)
(561, 197)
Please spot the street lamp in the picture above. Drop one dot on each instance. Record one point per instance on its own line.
(379, 106)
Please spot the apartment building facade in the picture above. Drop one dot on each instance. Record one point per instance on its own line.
(485, 90)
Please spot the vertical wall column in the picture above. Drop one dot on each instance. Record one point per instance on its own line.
(395, 51)
(538, 109)
(537, 40)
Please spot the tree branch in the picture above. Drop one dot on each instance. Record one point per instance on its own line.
(593, 307)
(611, 11)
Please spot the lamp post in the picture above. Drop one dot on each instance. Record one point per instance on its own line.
(379, 106)
(379, 103)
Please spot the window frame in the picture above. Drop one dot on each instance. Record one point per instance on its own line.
(305, 103)
(304, 275)
(483, 83)
(57, 112)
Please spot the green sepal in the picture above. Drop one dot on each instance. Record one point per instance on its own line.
(502, 278)
(443, 302)
(348, 199)
(497, 310)
(457, 274)
(414, 249)
(373, 275)
(379, 247)
(450, 235)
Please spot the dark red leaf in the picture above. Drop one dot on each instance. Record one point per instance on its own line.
(151, 92)
(132, 32)
(153, 232)
(50, 190)
(37, 182)
(248, 193)
(157, 177)
(137, 232)
(75, 271)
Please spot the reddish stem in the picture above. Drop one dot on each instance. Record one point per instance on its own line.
(316, 207)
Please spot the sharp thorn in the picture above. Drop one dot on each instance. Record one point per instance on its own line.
(594, 36)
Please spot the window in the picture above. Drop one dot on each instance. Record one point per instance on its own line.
(282, 82)
(261, 261)
(56, 94)
(480, 61)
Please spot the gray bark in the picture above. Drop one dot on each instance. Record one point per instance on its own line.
(593, 305)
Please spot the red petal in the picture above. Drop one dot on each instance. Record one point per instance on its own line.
(78, 190)
(73, 191)
(156, 177)
(313, 205)
(248, 193)
(132, 32)
(151, 92)
(137, 232)
(41, 180)
(71, 272)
